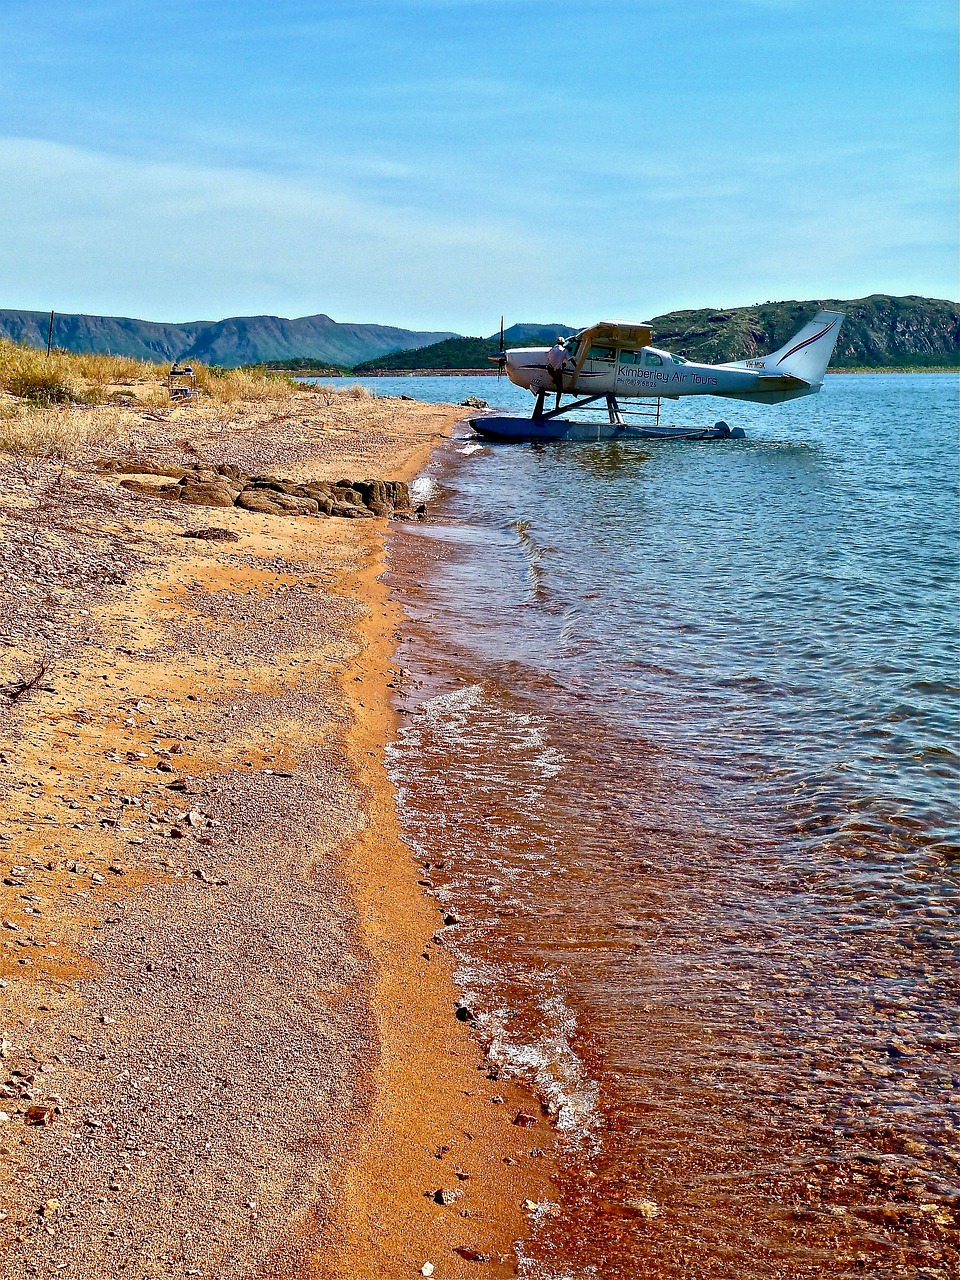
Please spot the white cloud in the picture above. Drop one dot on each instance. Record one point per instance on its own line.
(365, 238)
(83, 230)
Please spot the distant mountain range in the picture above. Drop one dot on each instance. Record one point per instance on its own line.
(879, 332)
(228, 343)
(467, 353)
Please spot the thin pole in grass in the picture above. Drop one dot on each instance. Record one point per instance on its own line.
(50, 334)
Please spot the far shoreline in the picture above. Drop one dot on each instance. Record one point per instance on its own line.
(302, 376)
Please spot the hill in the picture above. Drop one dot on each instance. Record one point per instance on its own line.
(879, 332)
(531, 335)
(466, 353)
(239, 340)
(303, 366)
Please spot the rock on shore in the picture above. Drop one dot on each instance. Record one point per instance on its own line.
(227, 486)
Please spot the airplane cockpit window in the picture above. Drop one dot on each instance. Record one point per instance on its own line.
(573, 346)
(602, 353)
(630, 357)
(651, 359)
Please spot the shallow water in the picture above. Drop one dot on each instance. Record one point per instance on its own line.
(682, 758)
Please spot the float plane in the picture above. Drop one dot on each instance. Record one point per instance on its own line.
(614, 360)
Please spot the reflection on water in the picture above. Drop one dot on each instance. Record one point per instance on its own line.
(685, 763)
(624, 459)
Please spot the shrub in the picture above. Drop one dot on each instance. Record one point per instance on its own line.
(325, 393)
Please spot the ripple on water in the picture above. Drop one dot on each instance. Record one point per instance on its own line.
(686, 766)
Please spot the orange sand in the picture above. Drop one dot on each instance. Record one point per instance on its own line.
(425, 1116)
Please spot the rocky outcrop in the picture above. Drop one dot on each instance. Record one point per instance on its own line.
(878, 332)
(207, 492)
(226, 486)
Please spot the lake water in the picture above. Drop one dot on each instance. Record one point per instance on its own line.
(682, 758)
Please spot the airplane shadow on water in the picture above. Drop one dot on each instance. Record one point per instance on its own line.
(625, 458)
(601, 460)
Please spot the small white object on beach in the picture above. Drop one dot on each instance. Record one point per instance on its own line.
(646, 1208)
(427, 1269)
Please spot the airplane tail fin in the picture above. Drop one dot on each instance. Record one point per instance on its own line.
(806, 355)
(808, 352)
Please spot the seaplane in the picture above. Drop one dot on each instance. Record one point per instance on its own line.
(613, 361)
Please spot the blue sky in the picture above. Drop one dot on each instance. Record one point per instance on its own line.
(433, 163)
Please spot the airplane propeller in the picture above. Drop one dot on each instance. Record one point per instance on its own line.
(501, 357)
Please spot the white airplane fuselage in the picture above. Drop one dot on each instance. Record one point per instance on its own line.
(797, 369)
(659, 376)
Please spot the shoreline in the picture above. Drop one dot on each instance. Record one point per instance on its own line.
(279, 1118)
(492, 373)
(433, 1125)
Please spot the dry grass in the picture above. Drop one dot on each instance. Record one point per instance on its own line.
(31, 375)
(62, 432)
(100, 373)
(321, 390)
(60, 405)
(231, 386)
(62, 378)
(122, 369)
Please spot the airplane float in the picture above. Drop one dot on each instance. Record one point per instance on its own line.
(614, 360)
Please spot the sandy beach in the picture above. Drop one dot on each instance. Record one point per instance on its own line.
(230, 1043)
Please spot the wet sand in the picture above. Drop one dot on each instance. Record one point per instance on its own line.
(227, 1003)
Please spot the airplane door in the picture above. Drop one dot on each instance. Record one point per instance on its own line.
(629, 372)
(599, 369)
